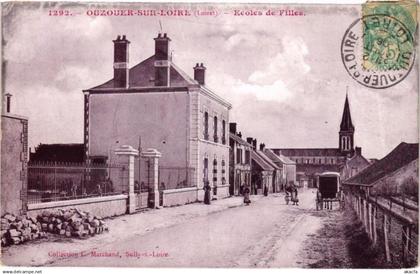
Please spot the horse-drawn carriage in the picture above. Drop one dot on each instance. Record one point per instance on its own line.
(329, 192)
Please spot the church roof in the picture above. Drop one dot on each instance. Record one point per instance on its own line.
(402, 155)
(142, 75)
(346, 123)
(307, 152)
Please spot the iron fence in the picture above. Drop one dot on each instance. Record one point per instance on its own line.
(176, 177)
(55, 181)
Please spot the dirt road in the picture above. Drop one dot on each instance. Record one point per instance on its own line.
(267, 233)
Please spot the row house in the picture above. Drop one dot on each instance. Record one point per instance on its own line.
(239, 162)
(154, 104)
(394, 175)
(276, 181)
(287, 167)
(265, 174)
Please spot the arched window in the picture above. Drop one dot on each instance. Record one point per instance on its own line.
(216, 138)
(206, 125)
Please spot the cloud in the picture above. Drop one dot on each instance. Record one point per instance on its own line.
(291, 61)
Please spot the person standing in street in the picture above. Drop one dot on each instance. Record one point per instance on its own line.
(247, 201)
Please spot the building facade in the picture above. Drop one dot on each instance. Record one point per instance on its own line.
(277, 178)
(154, 104)
(239, 162)
(310, 162)
(287, 166)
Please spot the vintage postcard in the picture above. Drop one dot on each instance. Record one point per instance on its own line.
(231, 135)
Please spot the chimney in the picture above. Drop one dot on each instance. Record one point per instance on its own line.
(200, 73)
(121, 46)
(162, 60)
(232, 128)
(262, 146)
(8, 102)
(358, 151)
(249, 140)
(254, 144)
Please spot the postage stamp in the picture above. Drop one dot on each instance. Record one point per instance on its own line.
(378, 49)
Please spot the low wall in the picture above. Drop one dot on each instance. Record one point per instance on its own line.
(105, 206)
(181, 196)
(222, 191)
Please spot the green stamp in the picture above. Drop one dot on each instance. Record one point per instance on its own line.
(388, 34)
(378, 50)
(387, 44)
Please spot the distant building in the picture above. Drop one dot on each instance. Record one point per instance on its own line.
(14, 160)
(262, 173)
(287, 166)
(265, 174)
(239, 162)
(63, 153)
(154, 104)
(395, 174)
(310, 162)
(354, 165)
(276, 182)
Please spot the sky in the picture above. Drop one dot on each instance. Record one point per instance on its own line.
(283, 75)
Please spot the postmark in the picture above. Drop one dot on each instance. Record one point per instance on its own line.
(378, 51)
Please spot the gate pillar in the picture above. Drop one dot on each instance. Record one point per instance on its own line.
(152, 155)
(126, 155)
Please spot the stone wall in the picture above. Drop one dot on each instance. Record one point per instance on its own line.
(14, 153)
(174, 197)
(106, 206)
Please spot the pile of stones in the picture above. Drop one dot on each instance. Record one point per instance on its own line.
(69, 222)
(19, 229)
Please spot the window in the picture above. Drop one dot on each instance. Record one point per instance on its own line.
(216, 138)
(206, 125)
(223, 172)
(247, 157)
(239, 156)
(345, 142)
(206, 171)
(224, 132)
(214, 172)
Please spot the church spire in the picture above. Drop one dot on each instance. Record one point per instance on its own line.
(346, 134)
(346, 123)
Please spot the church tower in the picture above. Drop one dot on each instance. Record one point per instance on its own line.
(346, 134)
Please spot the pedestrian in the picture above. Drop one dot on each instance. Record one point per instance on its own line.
(265, 190)
(247, 201)
(207, 194)
(295, 198)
